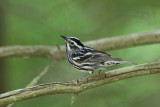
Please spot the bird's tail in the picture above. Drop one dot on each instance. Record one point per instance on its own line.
(124, 62)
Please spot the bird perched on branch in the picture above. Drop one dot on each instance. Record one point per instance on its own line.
(87, 59)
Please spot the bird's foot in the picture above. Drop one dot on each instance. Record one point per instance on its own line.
(84, 76)
(99, 72)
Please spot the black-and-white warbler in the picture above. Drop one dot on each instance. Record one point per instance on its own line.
(87, 59)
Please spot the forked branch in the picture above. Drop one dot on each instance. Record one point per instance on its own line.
(77, 86)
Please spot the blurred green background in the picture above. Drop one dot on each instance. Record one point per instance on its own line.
(40, 22)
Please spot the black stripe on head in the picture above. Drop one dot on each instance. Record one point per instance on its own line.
(76, 40)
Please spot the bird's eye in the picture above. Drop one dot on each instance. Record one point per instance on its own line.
(72, 43)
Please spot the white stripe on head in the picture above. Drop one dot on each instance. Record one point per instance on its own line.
(70, 37)
(77, 45)
(68, 47)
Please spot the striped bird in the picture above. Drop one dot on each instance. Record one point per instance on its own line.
(87, 59)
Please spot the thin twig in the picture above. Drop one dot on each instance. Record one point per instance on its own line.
(73, 98)
(37, 78)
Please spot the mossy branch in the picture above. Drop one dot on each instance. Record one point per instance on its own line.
(77, 86)
(104, 44)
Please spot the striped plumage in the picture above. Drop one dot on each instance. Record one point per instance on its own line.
(88, 59)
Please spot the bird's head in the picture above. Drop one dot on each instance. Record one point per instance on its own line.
(72, 43)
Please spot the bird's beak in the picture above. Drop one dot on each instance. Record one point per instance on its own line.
(65, 38)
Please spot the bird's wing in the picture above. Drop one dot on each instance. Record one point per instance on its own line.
(82, 57)
(99, 57)
(94, 56)
(106, 56)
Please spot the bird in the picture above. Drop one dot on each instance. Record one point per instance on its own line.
(87, 59)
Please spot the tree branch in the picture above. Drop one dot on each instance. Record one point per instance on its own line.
(104, 44)
(77, 86)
